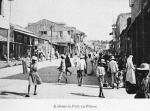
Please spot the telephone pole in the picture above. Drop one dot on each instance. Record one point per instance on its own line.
(8, 38)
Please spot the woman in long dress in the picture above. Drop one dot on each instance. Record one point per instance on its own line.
(89, 65)
(33, 78)
(130, 75)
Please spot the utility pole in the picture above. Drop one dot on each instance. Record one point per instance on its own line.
(51, 27)
(8, 38)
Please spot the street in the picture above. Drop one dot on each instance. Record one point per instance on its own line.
(15, 86)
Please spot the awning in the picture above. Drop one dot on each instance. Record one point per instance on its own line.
(62, 44)
(26, 33)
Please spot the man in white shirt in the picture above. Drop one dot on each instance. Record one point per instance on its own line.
(113, 69)
(81, 67)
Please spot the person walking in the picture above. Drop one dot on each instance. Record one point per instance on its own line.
(130, 74)
(57, 54)
(68, 64)
(81, 67)
(89, 65)
(75, 59)
(33, 78)
(113, 69)
(100, 72)
(62, 69)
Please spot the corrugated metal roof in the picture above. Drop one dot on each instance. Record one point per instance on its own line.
(17, 27)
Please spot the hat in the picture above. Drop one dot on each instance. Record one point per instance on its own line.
(112, 58)
(103, 61)
(144, 66)
(130, 56)
(62, 56)
(81, 56)
(34, 58)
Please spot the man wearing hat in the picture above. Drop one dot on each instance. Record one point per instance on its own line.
(81, 67)
(62, 69)
(113, 69)
(144, 86)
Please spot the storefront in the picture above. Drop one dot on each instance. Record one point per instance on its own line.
(22, 43)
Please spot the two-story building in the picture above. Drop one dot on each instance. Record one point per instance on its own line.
(63, 38)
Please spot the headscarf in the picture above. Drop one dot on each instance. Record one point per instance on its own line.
(129, 60)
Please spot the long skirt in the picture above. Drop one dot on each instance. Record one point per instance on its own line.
(34, 79)
(89, 68)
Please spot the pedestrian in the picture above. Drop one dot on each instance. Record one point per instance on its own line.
(130, 74)
(68, 64)
(100, 71)
(81, 67)
(89, 65)
(75, 59)
(62, 69)
(33, 78)
(144, 87)
(57, 54)
(113, 69)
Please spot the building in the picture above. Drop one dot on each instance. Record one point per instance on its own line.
(138, 31)
(4, 26)
(63, 38)
(121, 24)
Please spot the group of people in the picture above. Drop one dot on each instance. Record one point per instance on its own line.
(84, 64)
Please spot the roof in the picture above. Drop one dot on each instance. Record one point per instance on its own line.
(57, 26)
(20, 29)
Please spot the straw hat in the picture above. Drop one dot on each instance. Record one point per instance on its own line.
(103, 61)
(144, 66)
(34, 58)
(112, 58)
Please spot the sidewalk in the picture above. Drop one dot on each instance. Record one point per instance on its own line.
(4, 72)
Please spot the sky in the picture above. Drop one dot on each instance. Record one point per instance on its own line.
(93, 17)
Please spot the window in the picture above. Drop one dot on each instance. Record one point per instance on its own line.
(68, 32)
(61, 34)
(43, 32)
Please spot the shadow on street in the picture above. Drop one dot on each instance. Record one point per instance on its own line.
(15, 93)
(81, 94)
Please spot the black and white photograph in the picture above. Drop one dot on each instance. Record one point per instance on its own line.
(74, 54)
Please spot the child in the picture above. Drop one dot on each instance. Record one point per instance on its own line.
(100, 74)
(144, 87)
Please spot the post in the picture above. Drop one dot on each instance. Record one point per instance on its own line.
(51, 43)
(79, 43)
(8, 39)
